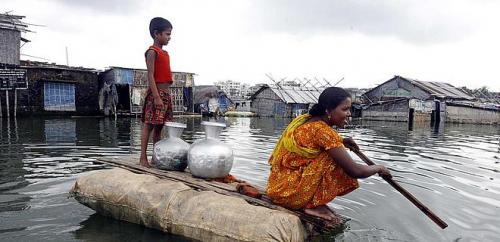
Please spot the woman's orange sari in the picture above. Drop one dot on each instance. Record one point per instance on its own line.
(302, 174)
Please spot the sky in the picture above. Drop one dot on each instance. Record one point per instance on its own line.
(361, 42)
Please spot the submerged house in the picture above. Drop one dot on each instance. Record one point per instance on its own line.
(122, 91)
(55, 90)
(209, 100)
(284, 101)
(409, 100)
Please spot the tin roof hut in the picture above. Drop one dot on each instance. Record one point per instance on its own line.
(122, 91)
(402, 87)
(52, 90)
(406, 99)
(284, 101)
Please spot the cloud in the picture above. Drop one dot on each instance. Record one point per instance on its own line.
(120, 7)
(416, 22)
(73, 16)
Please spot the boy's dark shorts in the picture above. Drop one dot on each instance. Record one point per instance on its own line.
(152, 115)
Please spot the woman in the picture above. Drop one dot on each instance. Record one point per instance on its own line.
(310, 166)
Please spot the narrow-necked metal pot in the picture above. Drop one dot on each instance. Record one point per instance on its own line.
(210, 157)
(171, 153)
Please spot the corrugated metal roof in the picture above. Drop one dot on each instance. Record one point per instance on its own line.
(142, 69)
(294, 94)
(45, 65)
(440, 89)
(13, 22)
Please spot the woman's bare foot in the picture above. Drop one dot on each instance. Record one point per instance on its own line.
(144, 162)
(321, 211)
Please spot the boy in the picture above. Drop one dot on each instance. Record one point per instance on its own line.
(157, 103)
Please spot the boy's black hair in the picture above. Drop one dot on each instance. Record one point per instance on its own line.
(159, 24)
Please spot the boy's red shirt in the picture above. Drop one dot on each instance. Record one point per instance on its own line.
(162, 66)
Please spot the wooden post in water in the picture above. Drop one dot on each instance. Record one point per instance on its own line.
(15, 102)
(7, 102)
(0, 107)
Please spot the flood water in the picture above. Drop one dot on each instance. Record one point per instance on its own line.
(454, 170)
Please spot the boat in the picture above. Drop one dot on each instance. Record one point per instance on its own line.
(236, 113)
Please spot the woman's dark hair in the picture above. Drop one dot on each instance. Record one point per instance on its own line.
(330, 98)
(159, 24)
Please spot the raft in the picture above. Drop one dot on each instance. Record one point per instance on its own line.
(240, 114)
(177, 203)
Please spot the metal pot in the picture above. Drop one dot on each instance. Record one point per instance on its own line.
(210, 157)
(171, 153)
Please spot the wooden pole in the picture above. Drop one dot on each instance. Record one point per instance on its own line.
(7, 102)
(405, 193)
(1, 108)
(67, 59)
(15, 102)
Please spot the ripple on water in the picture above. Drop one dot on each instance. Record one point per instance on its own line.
(453, 171)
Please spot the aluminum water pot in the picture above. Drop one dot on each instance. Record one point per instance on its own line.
(210, 157)
(171, 153)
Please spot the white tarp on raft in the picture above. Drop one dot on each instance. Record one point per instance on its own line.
(176, 208)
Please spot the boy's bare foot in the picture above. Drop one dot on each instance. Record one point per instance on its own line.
(321, 211)
(144, 162)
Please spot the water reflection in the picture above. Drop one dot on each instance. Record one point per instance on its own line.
(12, 174)
(447, 164)
(101, 228)
(60, 131)
(453, 169)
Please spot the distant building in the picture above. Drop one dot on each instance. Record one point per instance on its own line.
(409, 100)
(254, 88)
(234, 89)
(238, 90)
(245, 90)
(230, 87)
(357, 94)
(122, 91)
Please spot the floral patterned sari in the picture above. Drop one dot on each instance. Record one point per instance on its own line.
(302, 173)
